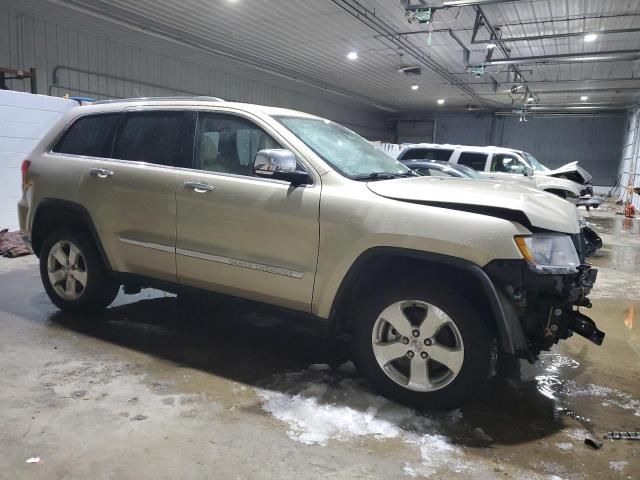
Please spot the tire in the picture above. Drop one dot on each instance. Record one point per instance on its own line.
(84, 265)
(464, 342)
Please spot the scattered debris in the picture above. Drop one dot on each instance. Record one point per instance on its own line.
(12, 245)
(622, 436)
(138, 418)
(33, 460)
(593, 443)
(79, 394)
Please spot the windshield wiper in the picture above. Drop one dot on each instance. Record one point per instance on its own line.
(386, 175)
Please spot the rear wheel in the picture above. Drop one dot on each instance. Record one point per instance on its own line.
(423, 345)
(73, 274)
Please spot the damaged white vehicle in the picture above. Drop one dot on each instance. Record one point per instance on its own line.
(570, 181)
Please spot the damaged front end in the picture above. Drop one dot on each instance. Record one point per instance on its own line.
(543, 303)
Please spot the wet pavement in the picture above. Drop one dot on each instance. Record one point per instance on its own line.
(153, 389)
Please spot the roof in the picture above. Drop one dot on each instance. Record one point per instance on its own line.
(475, 148)
(199, 101)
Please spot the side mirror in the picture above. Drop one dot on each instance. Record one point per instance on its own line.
(279, 163)
(528, 172)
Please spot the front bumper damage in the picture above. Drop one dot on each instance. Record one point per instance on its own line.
(541, 308)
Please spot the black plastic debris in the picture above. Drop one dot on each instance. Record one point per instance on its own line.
(593, 444)
(622, 436)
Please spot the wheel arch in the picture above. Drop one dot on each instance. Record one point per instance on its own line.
(55, 213)
(380, 263)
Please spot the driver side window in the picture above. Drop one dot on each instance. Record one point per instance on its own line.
(507, 164)
(228, 144)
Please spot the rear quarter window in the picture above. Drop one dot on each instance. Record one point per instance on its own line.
(440, 154)
(474, 160)
(90, 136)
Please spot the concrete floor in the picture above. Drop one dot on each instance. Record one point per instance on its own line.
(147, 391)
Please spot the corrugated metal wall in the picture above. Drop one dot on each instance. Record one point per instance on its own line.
(70, 59)
(596, 142)
(630, 165)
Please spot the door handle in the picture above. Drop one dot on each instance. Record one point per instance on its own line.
(100, 172)
(199, 187)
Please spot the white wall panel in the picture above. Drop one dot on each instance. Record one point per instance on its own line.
(24, 118)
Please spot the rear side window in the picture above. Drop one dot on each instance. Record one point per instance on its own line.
(163, 138)
(474, 160)
(90, 136)
(427, 154)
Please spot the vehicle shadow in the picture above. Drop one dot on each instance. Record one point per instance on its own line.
(226, 340)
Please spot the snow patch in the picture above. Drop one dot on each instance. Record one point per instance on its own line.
(618, 466)
(320, 406)
(564, 446)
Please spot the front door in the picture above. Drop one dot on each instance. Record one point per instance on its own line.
(505, 166)
(239, 234)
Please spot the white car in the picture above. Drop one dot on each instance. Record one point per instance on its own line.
(570, 181)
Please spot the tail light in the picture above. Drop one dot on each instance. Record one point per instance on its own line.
(25, 169)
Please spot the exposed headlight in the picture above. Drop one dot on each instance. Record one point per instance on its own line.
(549, 252)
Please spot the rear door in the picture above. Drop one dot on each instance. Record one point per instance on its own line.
(239, 234)
(132, 193)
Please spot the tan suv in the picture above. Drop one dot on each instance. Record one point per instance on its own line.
(427, 276)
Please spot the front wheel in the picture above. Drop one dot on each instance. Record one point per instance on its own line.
(73, 274)
(423, 345)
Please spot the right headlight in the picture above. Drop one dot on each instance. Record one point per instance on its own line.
(549, 252)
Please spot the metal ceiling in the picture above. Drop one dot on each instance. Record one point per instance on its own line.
(309, 40)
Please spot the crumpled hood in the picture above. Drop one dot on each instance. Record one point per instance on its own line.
(572, 171)
(509, 200)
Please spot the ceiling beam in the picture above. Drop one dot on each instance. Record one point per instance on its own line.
(612, 56)
(577, 91)
(359, 11)
(468, 3)
(558, 35)
(482, 20)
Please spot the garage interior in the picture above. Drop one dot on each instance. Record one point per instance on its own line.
(153, 389)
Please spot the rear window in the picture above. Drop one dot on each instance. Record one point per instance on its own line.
(474, 160)
(90, 136)
(163, 138)
(427, 154)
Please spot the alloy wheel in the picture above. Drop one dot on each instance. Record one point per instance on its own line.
(67, 270)
(417, 345)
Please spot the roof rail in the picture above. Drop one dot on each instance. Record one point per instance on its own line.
(153, 99)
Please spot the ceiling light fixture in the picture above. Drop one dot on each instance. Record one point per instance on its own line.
(415, 87)
(491, 46)
(530, 99)
(441, 101)
(590, 37)
(352, 55)
(584, 98)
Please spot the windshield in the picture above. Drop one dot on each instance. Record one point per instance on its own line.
(533, 163)
(347, 152)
